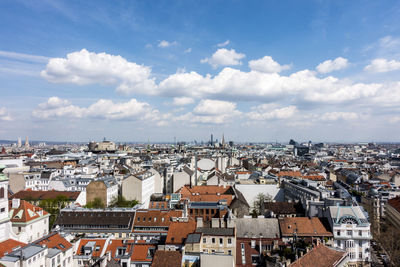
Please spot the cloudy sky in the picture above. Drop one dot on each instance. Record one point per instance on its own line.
(253, 70)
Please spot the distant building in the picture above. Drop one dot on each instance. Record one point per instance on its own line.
(105, 189)
(139, 186)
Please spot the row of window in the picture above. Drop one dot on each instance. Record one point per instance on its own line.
(221, 240)
(352, 255)
(349, 243)
(213, 251)
(350, 233)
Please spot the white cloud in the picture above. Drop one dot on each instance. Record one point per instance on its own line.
(103, 109)
(224, 43)
(232, 83)
(224, 57)
(4, 115)
(23, 57)
(267, 65)
(211, 112)
(334, 116)
(214, 107)
(164, 44)
(84, 67)
(383, 65)
(182, 101)
(332, 65)
(187, 50)
(269, 112)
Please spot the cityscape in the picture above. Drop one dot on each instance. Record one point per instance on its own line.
(199, 133)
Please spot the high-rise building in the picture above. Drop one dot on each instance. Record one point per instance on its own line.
(19, 143)
(26, 142)
(212, 139)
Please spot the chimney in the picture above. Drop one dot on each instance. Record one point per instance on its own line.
(15, 203)
(199, 222)
(214, 222)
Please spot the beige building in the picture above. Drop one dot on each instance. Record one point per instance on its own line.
(106, 190)
(139, 186)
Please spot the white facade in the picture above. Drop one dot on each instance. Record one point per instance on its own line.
(351, 232)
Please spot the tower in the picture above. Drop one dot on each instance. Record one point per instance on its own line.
(19, 143)
(27, 142)
(223, 141)
(212, 140)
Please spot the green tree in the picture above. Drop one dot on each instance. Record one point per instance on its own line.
(95, 204)
(121, 202)
(258, 204)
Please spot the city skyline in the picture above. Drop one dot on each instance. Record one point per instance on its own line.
(257, 72)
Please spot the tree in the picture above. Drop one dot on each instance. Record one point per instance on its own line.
(258, 204)
(95, 204)
(121, 202)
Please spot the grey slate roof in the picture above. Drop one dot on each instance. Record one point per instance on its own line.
(217, 231)
(250, 227)
(193, 238)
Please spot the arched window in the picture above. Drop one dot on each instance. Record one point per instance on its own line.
(2, 192)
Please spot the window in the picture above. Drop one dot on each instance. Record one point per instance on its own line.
(213, 240)
(360, 233)
(351, 255)
(58, 259)
(360, 255)
(221, 241)
(229, 252)
(53, 262)
(213, 251)
(349, 244)
(360, 243)
(254, 259)
(97, 248)
(349, 232)
(229, 240)
(2, 209)
(338, 233)
(2, 192)
(138, 219)
(204, 240)
(339, 244)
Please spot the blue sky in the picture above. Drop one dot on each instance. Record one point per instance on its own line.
(254, 70)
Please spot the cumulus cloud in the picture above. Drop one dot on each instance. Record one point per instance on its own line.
(232, 83)
(4, 115)
(266, 86)
(211, 112)
(224, 43)
(383, 65)
(267, 65)
(334, 116)
(84, 67)
(56, 107)
(182, 101)
(214, 107)
(270, 111)
(164, 44)
(224, 57)
(332, 65)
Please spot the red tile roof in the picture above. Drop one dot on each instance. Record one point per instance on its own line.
(395, 203)
(26, 212)
(55, 240)
(96, 253)
(9, 245)
(290, 173)
(141, 251)
(320, 256)
(178, 231)
(167, 258)
(40, 195)
(303, 226)
(155, 217)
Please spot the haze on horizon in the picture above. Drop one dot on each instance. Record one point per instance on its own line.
(255, 71)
